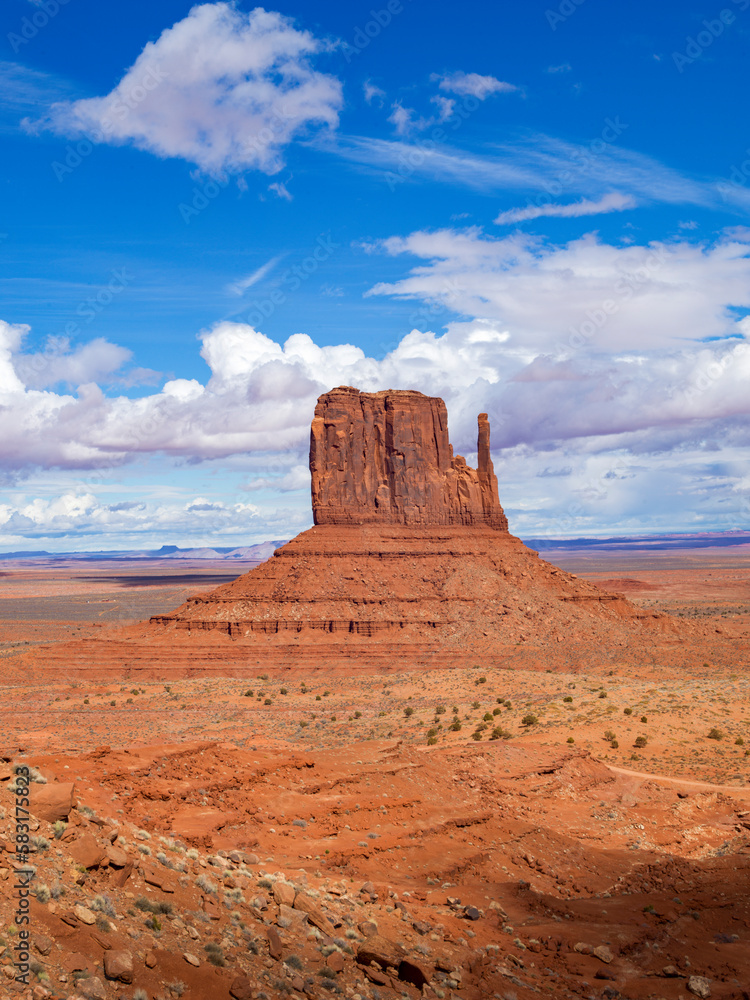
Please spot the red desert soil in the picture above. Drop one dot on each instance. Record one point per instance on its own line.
(405, 757)
(579, 860)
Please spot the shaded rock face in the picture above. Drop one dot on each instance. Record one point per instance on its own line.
(385, 457)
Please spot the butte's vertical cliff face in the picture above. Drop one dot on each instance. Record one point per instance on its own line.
(385, 457)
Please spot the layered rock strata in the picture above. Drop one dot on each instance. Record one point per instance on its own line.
(385, 457)
(410, 549)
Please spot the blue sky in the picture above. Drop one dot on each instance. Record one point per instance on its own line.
(211, 214)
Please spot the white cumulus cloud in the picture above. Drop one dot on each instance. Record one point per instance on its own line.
(223, 89)
(472, 84)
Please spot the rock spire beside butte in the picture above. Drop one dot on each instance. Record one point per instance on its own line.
(410, 553)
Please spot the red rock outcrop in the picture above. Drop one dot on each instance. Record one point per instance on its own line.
(410, 550)
(385, 457)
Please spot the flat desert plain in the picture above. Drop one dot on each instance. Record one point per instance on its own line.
(461, 829)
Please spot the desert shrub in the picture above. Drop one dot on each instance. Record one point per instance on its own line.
(715, 734)
(739, 742)
(570, 739)
(268, 702)
(205, 883)
(475, 705)
(640, 741)
(529, 720)
(43, 893)
(431, 732)
(644, 718)
(614, 744)
(496, 711)
(455, 726)
(59, 828)
(602, 694)
(567, 698)
(102, 904)
(481, 680)
(609, 735)
(627, 711)
(431, 741)
(357, 715)
(249, 693)
(498, 733)
(440, 710)
(103, 924)
(476, 735)
(283, 691)
(487, 716)
(214, 954)
(294, 962)
(408, 711)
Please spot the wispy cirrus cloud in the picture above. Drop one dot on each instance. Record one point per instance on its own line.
(613, 202)
(241, 286)
(542, 165)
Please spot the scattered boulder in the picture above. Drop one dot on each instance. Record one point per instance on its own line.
(603, 953)
(91, 989)
(85, 851)
(43, 944)
(335, 961)
(284, 893)
(118, 965)
(699, 986)
(191, 959)
(53, 801)
(314, 913)
(116, 857)
(274, 943)
(378, 950)
(241, 989)
(85, 915)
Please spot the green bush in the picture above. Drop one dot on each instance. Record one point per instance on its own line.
(529, 720)
(567, 698)
(716, 734)
(640, 741)
(498, 733)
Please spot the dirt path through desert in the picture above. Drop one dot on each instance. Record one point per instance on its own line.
(739, 791)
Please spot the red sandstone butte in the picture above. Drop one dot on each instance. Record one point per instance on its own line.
(385, 457)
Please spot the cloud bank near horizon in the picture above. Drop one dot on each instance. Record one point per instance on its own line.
(588, 356)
